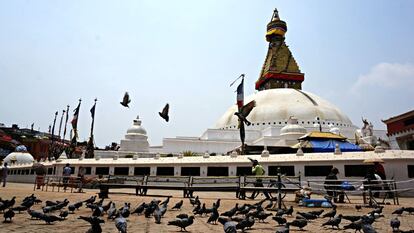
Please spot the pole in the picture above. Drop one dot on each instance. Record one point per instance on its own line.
(279, 189)
(66, 122)
(60, 123)
(51, 151)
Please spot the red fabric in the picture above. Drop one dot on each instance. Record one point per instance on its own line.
(291, 77)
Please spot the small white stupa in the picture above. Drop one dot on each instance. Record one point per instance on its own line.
(136, 139)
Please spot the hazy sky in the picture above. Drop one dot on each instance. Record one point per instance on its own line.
(359, 55)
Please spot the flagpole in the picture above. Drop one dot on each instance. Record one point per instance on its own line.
(60, 123)
(93, 117)
(66, 122)
(90, 145)
(241, 76)
(51, 151)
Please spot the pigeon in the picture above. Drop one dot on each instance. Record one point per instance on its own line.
(282, 212)
(140, 209)
(126, 100)
(197, 208)
(182, 223)
(163, 209)
(107, 206)
(378, 210)
(50, 218)
(398, 211)
(28, 203)
(316, 212)
(410, 210)
(358, 207)
(195, 201)
(214, 216)
(284, 229)
(121, 224)
(270, 205)
(245, 111)
(157, 215)
(20, 208)
(51, 203)
(112, 212)
(367, 228)
(357, 225)
(125, 212)
(64, 214)
(246, 223)
(182, 216)
(307, 216)
(98, 211)
(301, 223)
(262, 216)
(228, 226)
(334, 222)
(9, 214)
(232, 211)
(279, 220)
(34, 214)
(165, 201)
(238, 218)
(217, 204)
(95, 223)
(395, 224)
(178, 205)
(90, 200)
(352, 218)
(150, 209)
(330, 214)
(164, 113)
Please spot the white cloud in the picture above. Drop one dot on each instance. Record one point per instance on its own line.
(387, 75)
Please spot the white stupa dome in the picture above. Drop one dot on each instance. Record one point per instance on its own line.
(136, 139)
(136, 128)
(293, 127)
(19, 158)
(275, 106)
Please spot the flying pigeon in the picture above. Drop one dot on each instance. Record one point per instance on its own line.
(245, 111)
(126, 100)
(164, 113)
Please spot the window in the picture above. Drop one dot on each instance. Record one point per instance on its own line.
(317, 170)
(50, 171)
(102, 170)
(217, 171)
(72, 170)
(244, 171)
(142, 171)
(121, 171)
(32, 171)
(88, 170)
(165, 171)
(190, 171)
(284, 170)
(410, 171)
(27, 171)
(356, 170)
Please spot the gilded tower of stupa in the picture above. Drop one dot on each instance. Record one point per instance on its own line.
(280, 69)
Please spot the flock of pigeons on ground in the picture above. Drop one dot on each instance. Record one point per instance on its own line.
(240, 217)
(163, 114)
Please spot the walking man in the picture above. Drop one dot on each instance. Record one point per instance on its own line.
(5, 173)
(66, 174)
(258, 170)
